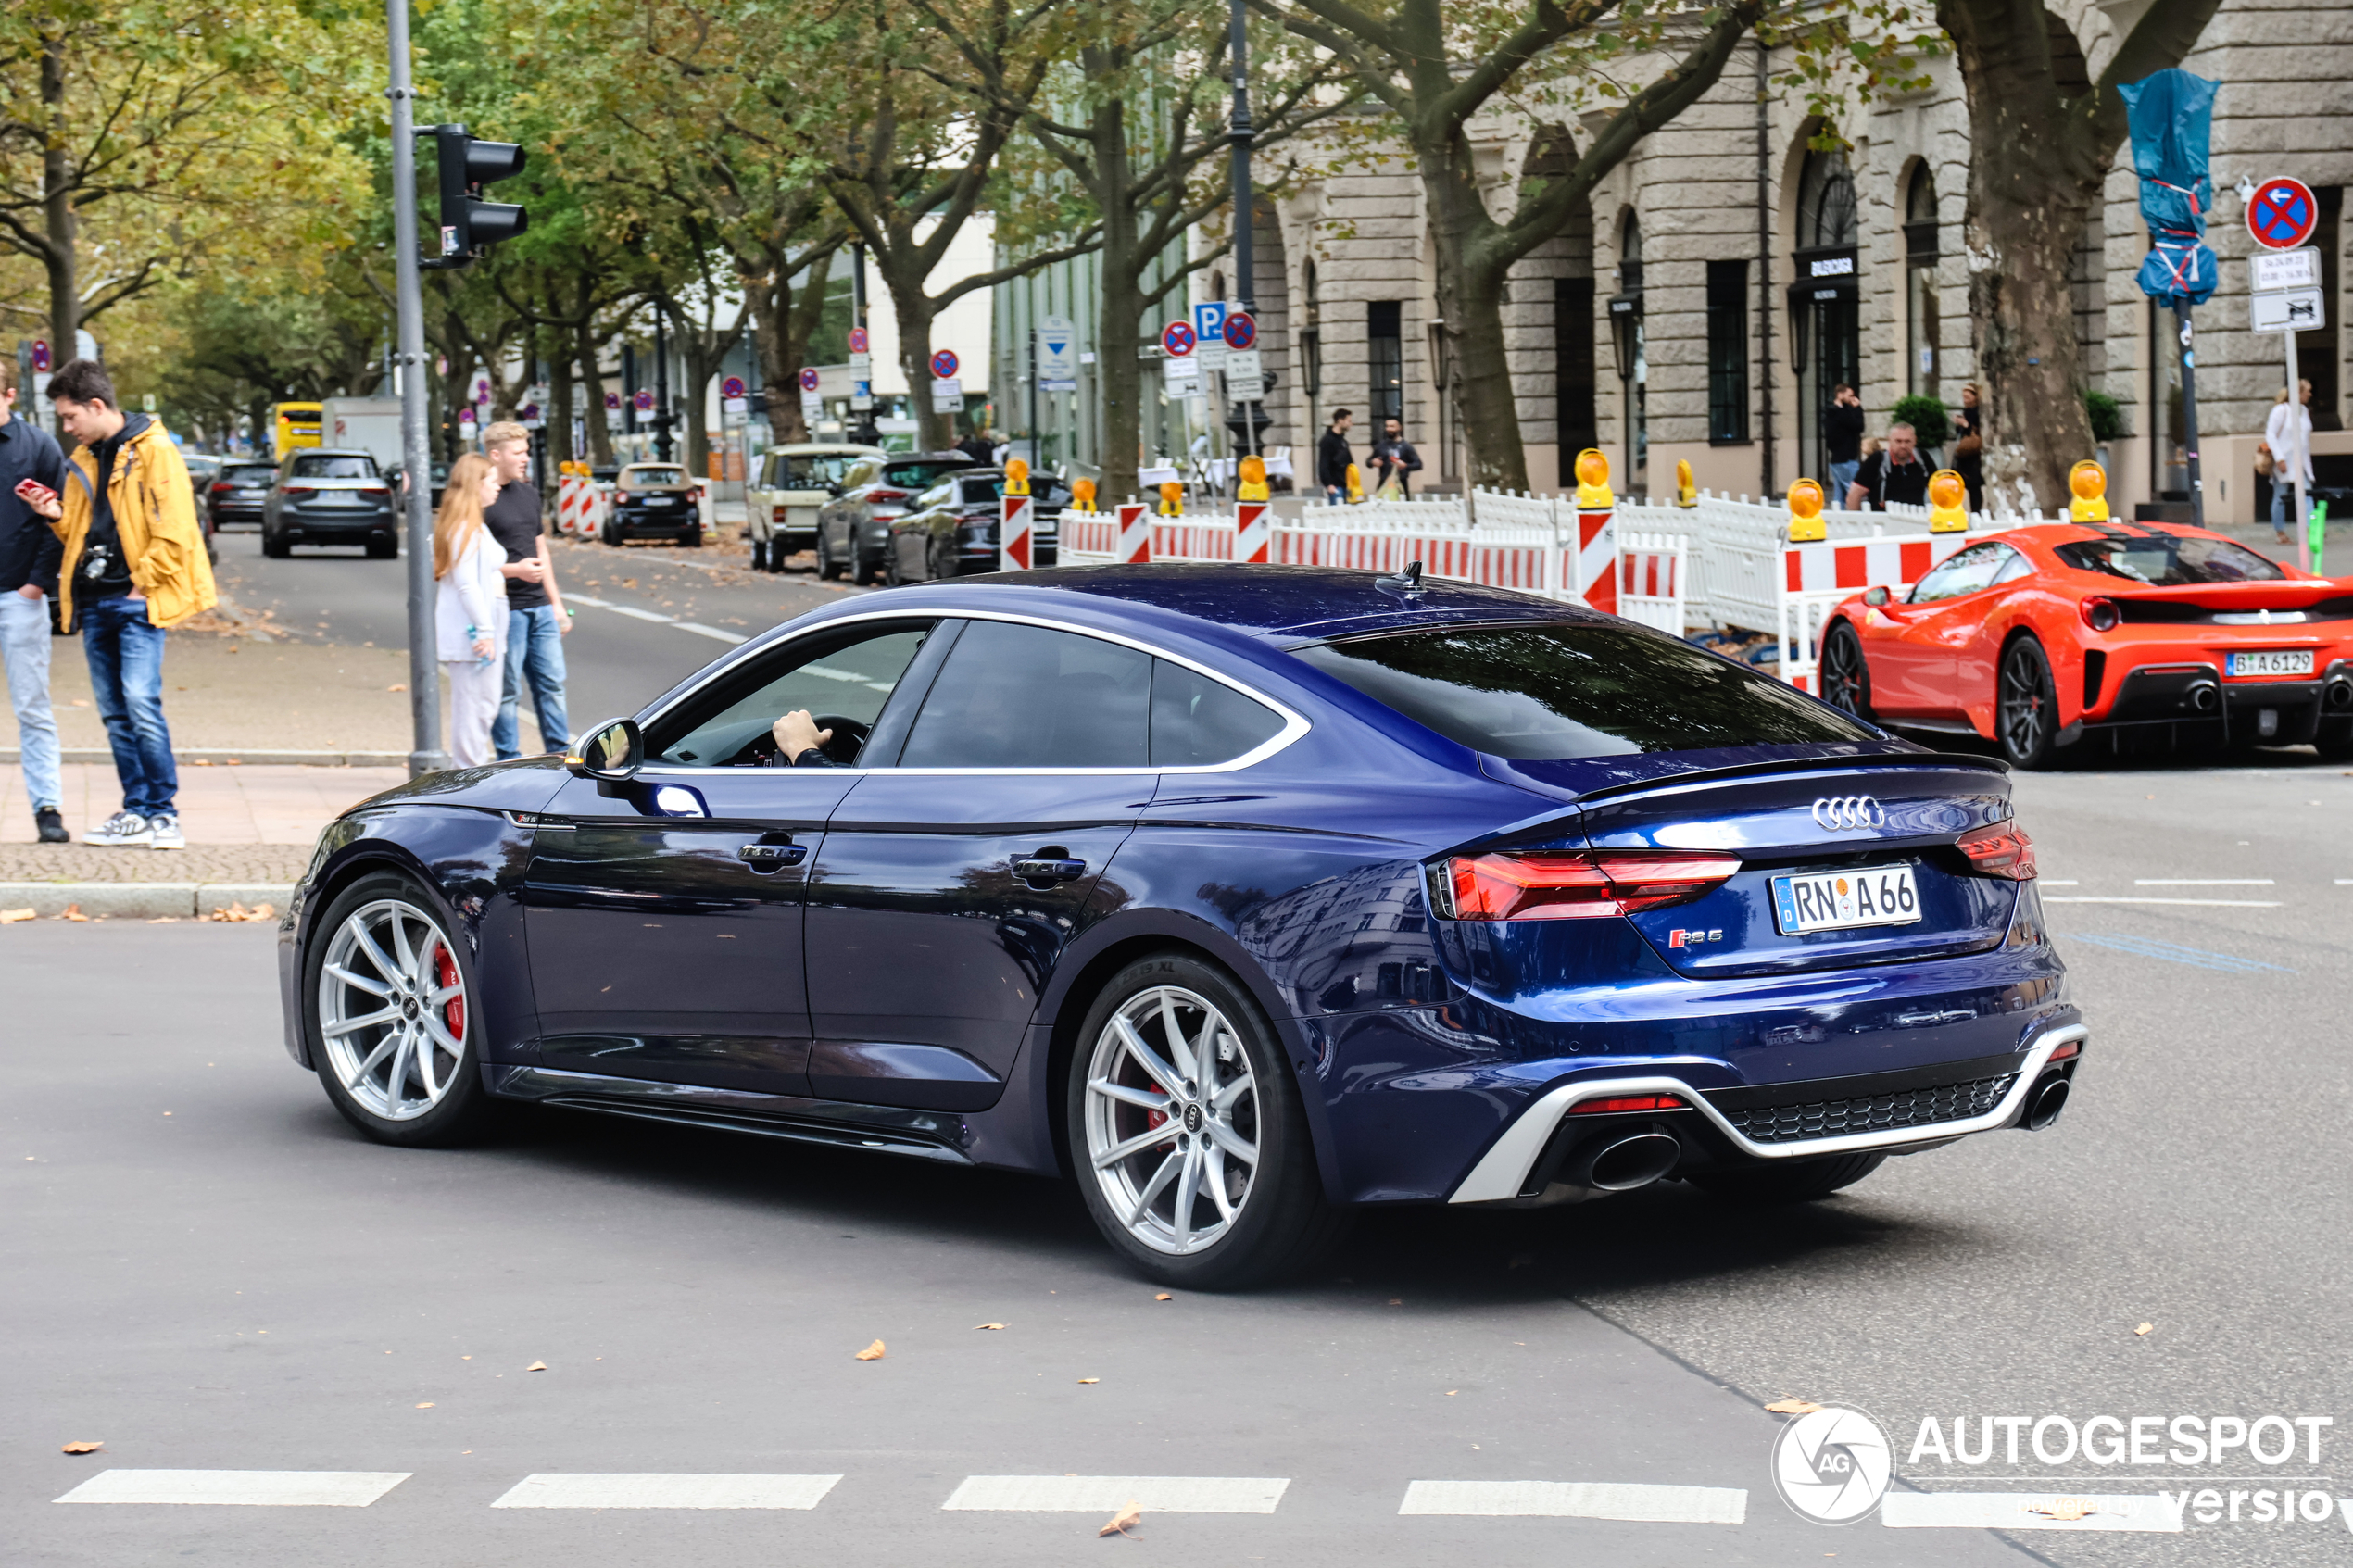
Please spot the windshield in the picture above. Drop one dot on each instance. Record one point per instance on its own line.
(2170, 560)
(651, 476)
(248, 475)
(981, 492)
(1552, 690)
(320, 467)
(915, 476)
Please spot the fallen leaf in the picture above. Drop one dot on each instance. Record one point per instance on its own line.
(1451, 1392)
(1090, 1380)
(2145, 1328)
(400, 686)
(160, 919)
(202, 761)
(1396, 1300)
(10, 917)
(81, 1447)
(1130, 1512)
(976, 1327)
(1792, 1406)
(873, 1352)
(536, 1366)
(74, 911)
(1163, 1295)
(2069, 1509)
(426, 1406)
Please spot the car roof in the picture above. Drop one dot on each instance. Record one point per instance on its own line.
(830, 448)
(332, 452)
(2049, 533)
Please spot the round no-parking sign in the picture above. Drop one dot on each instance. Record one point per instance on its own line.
(809, 378)
(944, 363)
(1177, 339)
(732, 387)
(2283, 213)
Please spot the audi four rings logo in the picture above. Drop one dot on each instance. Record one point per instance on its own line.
(1849, 813)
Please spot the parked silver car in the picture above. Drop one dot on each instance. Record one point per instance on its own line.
(781, 502)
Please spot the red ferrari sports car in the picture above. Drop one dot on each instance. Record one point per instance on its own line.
(2037, 636)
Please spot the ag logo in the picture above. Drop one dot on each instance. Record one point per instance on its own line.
(1832, 1465)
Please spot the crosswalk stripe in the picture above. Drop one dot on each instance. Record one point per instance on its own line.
(586, 1489)
(2016, 1510)
(252, 1489)
(1580, 1500)
(1092, 1494)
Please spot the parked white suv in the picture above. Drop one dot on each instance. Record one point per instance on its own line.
(781, 502)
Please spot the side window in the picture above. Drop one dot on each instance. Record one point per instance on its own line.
(1971, 571)
(1029, 696)
(842, 680)
(2017, 566)
(1198, 723)
(936, 495)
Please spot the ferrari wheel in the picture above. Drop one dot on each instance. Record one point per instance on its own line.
(2026, 706)
(1846, 679)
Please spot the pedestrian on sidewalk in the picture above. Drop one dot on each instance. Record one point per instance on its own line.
(1969, 446)
(29, 557)
(133, 565)
(536, 619)
(1395, 461)
(1843, 436)
(471, 621)
(1332, 459)
(1894, 477)
(2285, 433)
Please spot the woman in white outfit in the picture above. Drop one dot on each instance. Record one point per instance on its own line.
(470, 609)
(2288, 432)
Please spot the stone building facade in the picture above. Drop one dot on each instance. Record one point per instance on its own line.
(1726, 276)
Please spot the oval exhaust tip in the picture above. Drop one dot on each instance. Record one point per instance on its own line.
(1628, 1163)
(2206, 699)
(2050, 1099)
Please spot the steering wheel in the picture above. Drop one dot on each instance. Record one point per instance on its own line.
(849, 737)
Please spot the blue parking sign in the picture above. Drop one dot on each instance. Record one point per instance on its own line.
(1209, 322)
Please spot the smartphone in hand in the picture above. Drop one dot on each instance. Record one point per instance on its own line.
(37, 496)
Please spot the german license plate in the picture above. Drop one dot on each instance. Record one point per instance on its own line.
(1843, 900)
(2270, 661)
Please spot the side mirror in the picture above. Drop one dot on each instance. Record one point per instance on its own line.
(611, 754)
(1874, 598)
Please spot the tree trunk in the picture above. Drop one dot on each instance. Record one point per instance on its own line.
(584, 350)
(56, 185)
(1470, 297)
(913, 309)
(779, 366)
(1120, 308)
(701, 363)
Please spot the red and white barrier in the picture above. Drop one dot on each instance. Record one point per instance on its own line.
(1013, 535)
(1597, 559)
(1653, 571)
(1134, 545)
(1253, 533)
(1818, 578)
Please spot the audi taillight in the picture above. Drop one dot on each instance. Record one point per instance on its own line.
(221, 487)
(1625, 1102)
(297, 491)
(2001, 851)
(2101, 615)
(1577, 887)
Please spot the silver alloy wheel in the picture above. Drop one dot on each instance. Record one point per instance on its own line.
(392, 1010)
(1172, 1120)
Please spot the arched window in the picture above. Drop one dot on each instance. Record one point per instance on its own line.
(1310, 336)
(1826, 202)
(1922, 326)
(1634, 358)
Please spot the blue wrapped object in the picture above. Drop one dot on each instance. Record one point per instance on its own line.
(2171, 116)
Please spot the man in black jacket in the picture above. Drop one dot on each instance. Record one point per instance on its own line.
(1332, 459)
(1843, 438)
(30, 553)
(1394, 458)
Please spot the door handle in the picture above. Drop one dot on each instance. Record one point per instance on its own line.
(772, 857)
(1050, 870)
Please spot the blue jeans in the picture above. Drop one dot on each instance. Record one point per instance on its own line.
(1842, 475)
(126, 681)
(2282, 500)
(24, 645)
(534, 653)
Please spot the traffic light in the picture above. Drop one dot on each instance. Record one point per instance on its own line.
(470, 226)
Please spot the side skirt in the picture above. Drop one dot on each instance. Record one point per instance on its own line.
(921, 1135)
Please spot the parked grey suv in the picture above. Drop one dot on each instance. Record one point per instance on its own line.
(326, 496)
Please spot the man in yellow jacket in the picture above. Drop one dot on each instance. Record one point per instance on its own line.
(135, 564)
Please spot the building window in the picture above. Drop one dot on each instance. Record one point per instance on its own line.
(1311, 338)
(1573, 366)
(1727, 352)
(1385, 329)
(1921, 367)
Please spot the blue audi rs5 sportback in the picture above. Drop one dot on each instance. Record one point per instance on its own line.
(1243, 895)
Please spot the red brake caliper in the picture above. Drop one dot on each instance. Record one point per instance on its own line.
(444, 973)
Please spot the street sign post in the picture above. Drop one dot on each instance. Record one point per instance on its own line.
(1057, 355)
(1209, 327)
(947, 392)
(809, 378)
(944, 364)
(2290, 311)
(2283, 213)
(732, 387)
(1245, 375)
(644, 400)
(1177, 340)
(40, 366)
(1240, 330)
(856, 340)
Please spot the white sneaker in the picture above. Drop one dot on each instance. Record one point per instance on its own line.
(163, 832)
(124, 828)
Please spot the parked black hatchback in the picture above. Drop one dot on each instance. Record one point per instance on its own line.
(323, 497)
(236, 495)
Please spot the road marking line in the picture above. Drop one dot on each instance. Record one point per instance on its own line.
(256, 1488)
(1580, 1500)
(2204, 881)
(699, 629)
(2047, 882)
(1094, 1494)
(2015, 1510)
(2174, 952)
(2202, 903)
(2344, 882)
(656, 1490)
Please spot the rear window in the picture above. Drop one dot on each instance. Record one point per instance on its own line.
(2168, 560)
(981, 492)
(1554, 690)
(311, 466)
(914, 476)
(249, 473)
(634, 478)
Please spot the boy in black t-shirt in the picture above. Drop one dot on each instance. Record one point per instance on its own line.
(536, 619)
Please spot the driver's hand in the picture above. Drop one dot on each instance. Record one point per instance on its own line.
(797, 732)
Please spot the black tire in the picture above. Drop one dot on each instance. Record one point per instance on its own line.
(609, 535)
(2026, 706)
(894, 576)
(943, 563)
(382, 549)
(273, 546)
(1795, 1181)
(760, 554)
(1847, 674)
(465, 1110)
(691, 539)
(1284, 1224)
(2335, 743)
(827, 568)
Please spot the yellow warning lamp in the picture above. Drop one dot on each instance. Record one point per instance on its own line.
(1948, 503)
(1355, 484)
(1254, 480)
(2088, 482)
(1016, 476)
(1082, 494)
(1593, 480)
(1172, 499)
(1686, 491)
(1806, 524)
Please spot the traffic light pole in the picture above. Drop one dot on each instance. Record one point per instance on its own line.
(425, 754)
